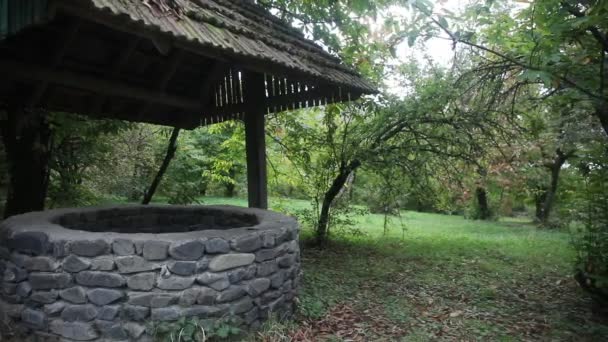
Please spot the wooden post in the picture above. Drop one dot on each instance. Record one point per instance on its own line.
(26, 136)
(255, 99)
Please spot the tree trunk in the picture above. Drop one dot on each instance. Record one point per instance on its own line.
(539, 199)
(230, 188)
(548, 197)
(602, 113)
(27, 140)
(171, 148)
(482, 202)
(328, 198)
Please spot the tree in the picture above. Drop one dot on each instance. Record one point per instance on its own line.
(79, 144)
(560, 44)
(171, 148)
(324, 145)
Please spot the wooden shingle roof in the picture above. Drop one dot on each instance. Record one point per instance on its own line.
(241, 28)
(171, 62)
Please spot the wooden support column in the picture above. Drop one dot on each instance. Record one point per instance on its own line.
(26, 136)
(255, 100)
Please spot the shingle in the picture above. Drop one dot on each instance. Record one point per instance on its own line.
(242, 28)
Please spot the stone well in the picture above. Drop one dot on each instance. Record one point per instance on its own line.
(101, 273)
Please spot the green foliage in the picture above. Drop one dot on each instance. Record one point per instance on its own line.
(183, 330)
(79, 146)
(195, 330)
(206, 158)
(591, 232)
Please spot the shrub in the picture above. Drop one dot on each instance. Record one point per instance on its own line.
(591, 237)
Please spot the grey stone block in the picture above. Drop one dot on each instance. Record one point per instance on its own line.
(203, 264)
(9, 288)
(155, 250)
(134, 264)
(217, 246)
(75, 295)
(78, 331)
(183, 268)
(216, 281)
(47, 281)
(208, 278)
(142, 281)
(41, 264)
(23, 289)
(241, 306)
(135, 313)
(230, 261)
(248, 243)
(174, 283)
(113, 331)
(268, 254)
(251, 272)
(123, 247)
(12, 310)
(293, 246)
(14, 274)
(101, 279)
(237, 275)
(188, 297)
(108, 312)
(89, 248)
(104, 296)
(35, 319)
(231, 294)
(102, 264)
(277, 280)
(206, 296)
(187, 250)
(220, 285)
(258, 286)
(268, 240)
(251, 315)
(60, 249)
(287, 261)
(203, 311)
(4, 253)
(81, 313)
(54, 308)
(134, 330)
(267, 268)
(35, 243)
(75, 264)
(19, 259)
(152, 299)
(165, 314)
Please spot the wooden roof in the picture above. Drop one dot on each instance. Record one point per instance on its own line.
(182, 65)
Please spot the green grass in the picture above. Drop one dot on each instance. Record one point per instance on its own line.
(437, 278)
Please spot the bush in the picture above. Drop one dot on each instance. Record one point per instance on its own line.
(591, 237)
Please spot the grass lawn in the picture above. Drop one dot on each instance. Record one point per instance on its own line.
(437, 278)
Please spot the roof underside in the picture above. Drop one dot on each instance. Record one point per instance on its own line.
(183, 66)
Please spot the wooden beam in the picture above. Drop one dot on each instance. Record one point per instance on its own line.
(255, 97)
(20, 71)
(117, 66)
(56, 59)
(165, 78)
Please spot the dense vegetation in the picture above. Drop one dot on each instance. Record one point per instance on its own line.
(515, 126)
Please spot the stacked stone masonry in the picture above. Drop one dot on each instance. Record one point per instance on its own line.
(70, 274)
